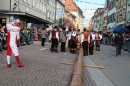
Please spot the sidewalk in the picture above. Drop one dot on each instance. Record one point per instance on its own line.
(122, 50)
(96, 74)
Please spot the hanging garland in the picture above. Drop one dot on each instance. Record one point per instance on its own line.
(88, 2)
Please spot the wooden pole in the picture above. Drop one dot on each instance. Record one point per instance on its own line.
(67, 63)
(92, 66)
(77, 73)
(84, 65)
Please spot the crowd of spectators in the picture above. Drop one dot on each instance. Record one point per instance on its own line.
(27, 36)
(2, 38)
(108, 39)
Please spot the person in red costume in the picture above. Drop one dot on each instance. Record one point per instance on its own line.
(13, 30)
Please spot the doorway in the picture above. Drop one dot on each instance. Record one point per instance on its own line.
(3, 21)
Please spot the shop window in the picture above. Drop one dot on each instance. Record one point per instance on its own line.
(3, 20)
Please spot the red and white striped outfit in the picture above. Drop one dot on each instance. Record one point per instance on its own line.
(12, 41)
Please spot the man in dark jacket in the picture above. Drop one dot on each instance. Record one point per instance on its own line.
(118, 43)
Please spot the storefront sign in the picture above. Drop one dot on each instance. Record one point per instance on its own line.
(14, 20)
(127, 24)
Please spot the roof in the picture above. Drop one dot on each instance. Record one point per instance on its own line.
(98, 9)
(61, 3)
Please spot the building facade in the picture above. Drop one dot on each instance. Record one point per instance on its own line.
(105, 15)
(127, 23)
(101, 21)
(97, 19)
(111, 15)
(59, 13)
(28, 11)
(121, 12)
(74, 9)
(80, 19)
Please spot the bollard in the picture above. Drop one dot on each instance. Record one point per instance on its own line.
(77, 73)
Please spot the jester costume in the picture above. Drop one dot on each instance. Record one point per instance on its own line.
(13, 30)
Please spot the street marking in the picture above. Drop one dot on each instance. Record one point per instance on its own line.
(43, 49)
(97, 51)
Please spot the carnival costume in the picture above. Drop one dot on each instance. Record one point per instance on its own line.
(97, 38)
(73, 42)
(13, 30)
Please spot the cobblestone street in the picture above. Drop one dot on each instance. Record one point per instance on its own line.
(42, 68)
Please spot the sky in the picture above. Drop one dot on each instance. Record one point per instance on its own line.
(89, 13)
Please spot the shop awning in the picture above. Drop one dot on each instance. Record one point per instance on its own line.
(118, 29)
(25, 15)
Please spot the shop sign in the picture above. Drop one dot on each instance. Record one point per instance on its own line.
(127, 24)
(14, 20)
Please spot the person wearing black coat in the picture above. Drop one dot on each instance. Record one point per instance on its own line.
(118, 43)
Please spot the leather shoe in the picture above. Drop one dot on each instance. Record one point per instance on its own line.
(20, 65)
(8, 65)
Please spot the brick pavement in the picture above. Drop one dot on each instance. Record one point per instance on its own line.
(42, 68)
